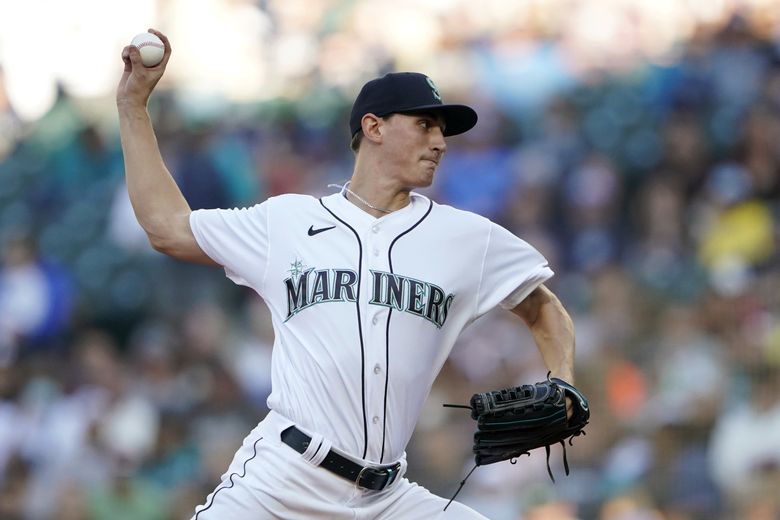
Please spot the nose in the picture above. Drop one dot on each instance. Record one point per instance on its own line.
(438, 144)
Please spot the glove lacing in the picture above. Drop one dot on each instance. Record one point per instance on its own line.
(565, 459)
(462, 483)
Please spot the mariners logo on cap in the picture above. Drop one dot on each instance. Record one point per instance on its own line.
(434, 90)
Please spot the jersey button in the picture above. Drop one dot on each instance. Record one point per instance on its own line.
(377, 368)
(375, 320)
(376, 251)
(375, 419)
(375, 228)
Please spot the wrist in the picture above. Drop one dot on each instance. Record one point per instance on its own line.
(131, 107)
(565, 375)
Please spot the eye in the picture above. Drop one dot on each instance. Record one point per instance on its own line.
(425, 123)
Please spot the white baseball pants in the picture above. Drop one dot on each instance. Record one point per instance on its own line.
(269, 480)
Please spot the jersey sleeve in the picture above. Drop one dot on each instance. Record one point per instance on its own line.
(237, 239)
(511, 270)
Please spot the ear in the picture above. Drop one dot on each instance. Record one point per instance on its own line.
(372, 127)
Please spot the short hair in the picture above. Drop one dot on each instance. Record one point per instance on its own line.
(356, 140)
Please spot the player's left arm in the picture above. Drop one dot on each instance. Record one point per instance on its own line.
(552, 330)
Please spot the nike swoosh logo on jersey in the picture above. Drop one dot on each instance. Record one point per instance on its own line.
(313, 231)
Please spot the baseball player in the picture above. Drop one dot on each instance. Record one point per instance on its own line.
(368, 289)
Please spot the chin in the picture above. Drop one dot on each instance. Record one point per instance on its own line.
(426, 178)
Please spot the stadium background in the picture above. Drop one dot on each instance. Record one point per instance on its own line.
(636, 143)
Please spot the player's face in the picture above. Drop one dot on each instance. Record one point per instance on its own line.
(414, 146)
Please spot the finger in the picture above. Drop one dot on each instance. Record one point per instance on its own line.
(163, 38)
(126, 59)
(166, 44)
(134, 55)
(157, 33)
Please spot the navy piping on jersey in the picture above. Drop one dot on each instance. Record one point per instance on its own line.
(387, 330)
(232, 483)
(360, 329)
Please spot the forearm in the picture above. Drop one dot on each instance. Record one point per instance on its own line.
(553, 333)
(552, 330)
(155, 197)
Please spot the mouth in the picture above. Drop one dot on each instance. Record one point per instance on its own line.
(432, 161)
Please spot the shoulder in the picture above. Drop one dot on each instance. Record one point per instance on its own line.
(291, 206)
(286, 205)
(292, 200)
(469, 226)
(459, 216)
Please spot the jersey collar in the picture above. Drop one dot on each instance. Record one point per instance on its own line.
(345, 209)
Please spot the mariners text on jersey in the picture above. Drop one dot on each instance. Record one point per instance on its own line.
(389, 298)
(402, 293)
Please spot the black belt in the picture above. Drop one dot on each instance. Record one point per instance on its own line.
(374, 478)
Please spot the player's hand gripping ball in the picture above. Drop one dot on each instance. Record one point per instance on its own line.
(151, 48)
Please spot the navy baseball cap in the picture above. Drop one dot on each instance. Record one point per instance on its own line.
(403, 92)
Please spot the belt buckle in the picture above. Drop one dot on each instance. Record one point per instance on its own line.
(382, 477)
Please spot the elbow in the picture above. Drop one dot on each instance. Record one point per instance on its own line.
(166, 234)
(158, 244)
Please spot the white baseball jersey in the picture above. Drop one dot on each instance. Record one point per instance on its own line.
(365, 309)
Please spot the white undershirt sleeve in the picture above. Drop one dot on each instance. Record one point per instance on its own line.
(237, 239)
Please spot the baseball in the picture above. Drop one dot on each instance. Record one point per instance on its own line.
(151, 48)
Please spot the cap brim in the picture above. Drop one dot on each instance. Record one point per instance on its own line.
(457, 118)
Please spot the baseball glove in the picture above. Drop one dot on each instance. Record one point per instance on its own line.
(513, 421)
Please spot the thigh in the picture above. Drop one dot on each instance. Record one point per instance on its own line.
(248, 489)
(411, 501)
(269, 480)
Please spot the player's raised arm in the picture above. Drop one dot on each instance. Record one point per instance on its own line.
(159, 205)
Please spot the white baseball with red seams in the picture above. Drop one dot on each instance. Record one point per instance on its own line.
(151, 48)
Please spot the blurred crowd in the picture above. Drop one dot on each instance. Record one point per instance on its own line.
(127, 380)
